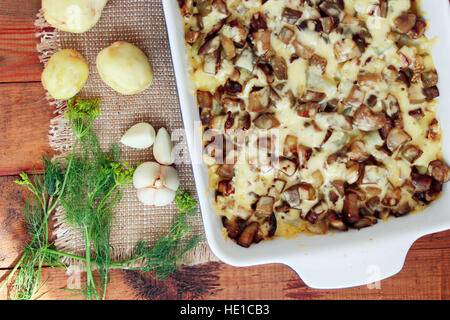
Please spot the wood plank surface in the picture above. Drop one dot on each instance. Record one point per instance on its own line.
(24, 123)
(18, 56)
(424, 277)
(24, 120)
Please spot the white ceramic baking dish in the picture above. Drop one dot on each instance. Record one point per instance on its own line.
(337, 260)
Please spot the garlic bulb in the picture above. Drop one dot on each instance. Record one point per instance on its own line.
(139, 136)
(156, 184)
(162, 150)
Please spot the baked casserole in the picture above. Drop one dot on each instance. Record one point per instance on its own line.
(316, 115)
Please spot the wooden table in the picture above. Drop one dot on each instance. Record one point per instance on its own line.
(24, 122)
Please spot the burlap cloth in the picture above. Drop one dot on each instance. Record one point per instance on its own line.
(140, 22)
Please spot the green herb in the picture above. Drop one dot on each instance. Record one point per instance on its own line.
(86, 184)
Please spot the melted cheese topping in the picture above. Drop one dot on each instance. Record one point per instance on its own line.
(384, 50)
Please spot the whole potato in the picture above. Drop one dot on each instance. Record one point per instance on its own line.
(65, 74)
(76, 16)
(125, 68)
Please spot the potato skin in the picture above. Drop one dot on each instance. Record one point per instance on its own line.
(125, 68)
(65, 74)
(75, 16)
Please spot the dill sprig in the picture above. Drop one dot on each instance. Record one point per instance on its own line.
(164, 257)
(86, 185)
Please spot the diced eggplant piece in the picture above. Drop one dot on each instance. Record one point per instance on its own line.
(405, 22)
(306, 191)
(411, 153)
(233, 104)
(204, 99)
(261, 41)
(258, 22)
(264, 206)
(292, 196)
(291, 16)
(372, 100)
(233, 227)
(333, 197)
(229, 122)
(192, 36)
(211, 45)
(352, 173)
(228, 48)
(416, 114)
(317, 213)
(310, 24)
(226, 171)
(232, 87)
(418, 30)
(366, 120)
(360, 42)
(220, 6)
(356, 97)
(421, 182)
(340, 186)
(321, 227)
(369, 79)
(266, 121)
(279, 185)
(429, 78)
(396, 138)
(304, 153)
(335, 120)
(212, 62)
(286, 166)
(431, 93)
(225, 187)
(329, 24)
(244, 121)
(434, 131)
(272, 225)
(439, 171)
(330, 8)
(392, 198)
(286, 35)
(258, 100)
(279, 68)
(374, 205)
(350, 208)
(302, 51)
(308, 109)
(313, 96)
(346, 50)
(336, 221)
(245, 60)
(364, 222)
(319, 63)
(290, 145)
(248, 234)
(356, 151)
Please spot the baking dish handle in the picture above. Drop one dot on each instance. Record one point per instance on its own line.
(341, 269)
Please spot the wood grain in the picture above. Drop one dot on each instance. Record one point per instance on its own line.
(18, 57)
(13, 234)
(424, 277)
(24, 123)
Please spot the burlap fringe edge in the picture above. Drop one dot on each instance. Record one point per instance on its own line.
(60, 139)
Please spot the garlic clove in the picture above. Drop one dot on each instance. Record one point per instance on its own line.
(162, 149)
(146, 175)
(169, 177)
(164, 197)
(147, 196)
(139, 136)
(156, 197)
